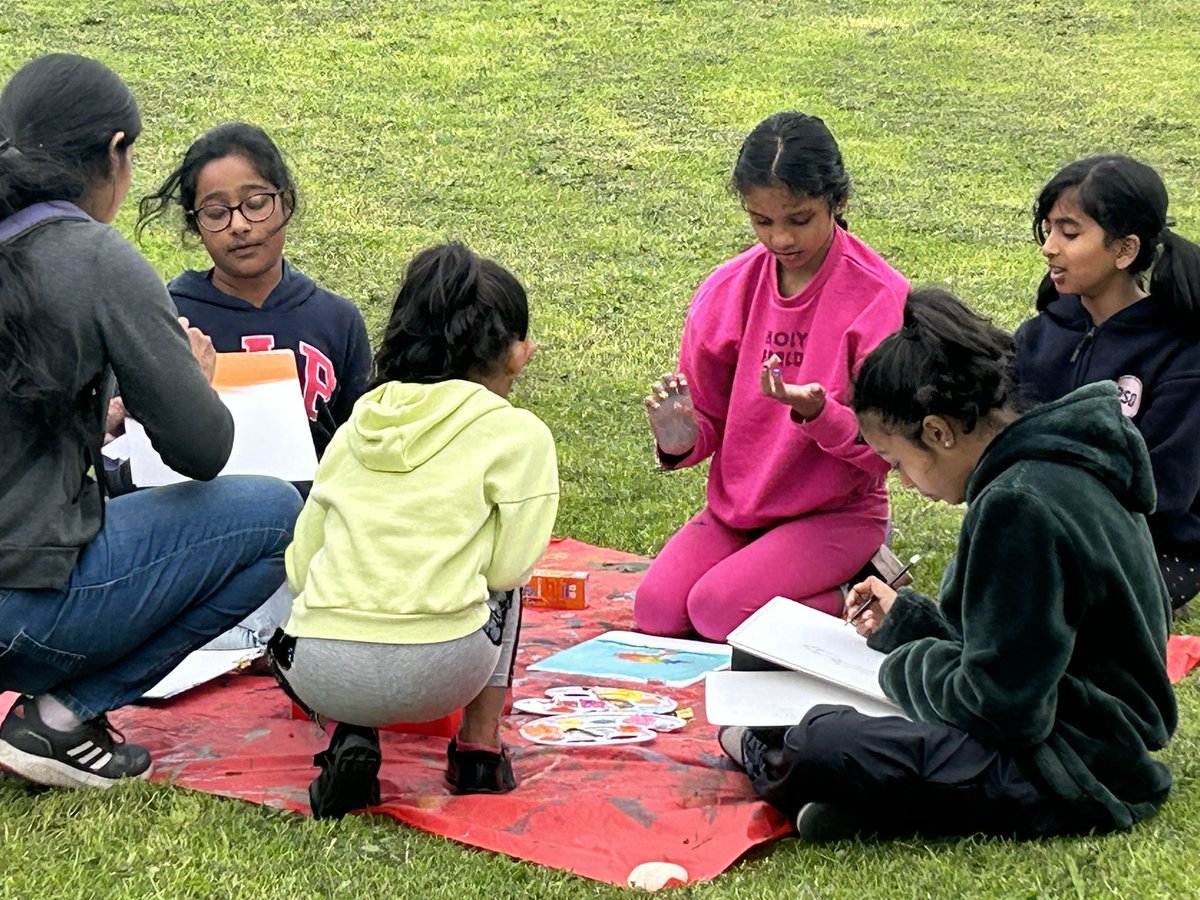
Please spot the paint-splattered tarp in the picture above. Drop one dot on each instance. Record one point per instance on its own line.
(598, 812)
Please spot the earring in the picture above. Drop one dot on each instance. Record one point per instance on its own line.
(947, 445)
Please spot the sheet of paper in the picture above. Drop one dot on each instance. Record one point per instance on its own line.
(797, 637)
(117, 448)
(765, 699)
(628, 656)
(199, 668)
(271, 433)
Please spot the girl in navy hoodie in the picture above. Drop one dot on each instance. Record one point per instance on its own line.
(237, 196)
(1102, 224)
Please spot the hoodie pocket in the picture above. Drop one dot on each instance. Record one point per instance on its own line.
(30, 667)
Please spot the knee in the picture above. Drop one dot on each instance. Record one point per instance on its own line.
(821, 739)
(659, 608)
(712, 613)
(275, 503)
(263, 509)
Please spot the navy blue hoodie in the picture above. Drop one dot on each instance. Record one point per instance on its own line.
(325, 331)
(1158, 373)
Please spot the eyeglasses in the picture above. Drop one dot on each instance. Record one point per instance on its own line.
(217, 216)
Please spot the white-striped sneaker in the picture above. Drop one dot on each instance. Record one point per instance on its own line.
(93, 755)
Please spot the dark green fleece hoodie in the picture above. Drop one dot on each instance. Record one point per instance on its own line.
(1050, 639)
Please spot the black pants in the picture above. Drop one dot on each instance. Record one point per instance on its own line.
(1181, 572)
(903, 777)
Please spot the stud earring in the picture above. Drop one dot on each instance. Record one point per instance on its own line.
(947, 445)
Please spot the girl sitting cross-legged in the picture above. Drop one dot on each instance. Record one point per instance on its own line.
(1036, 686)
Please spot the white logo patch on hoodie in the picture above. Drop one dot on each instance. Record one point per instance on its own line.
(1130, 394)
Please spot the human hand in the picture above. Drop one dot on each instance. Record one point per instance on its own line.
(868, 604)
(672, 416)
(202, 348)
(806, 400)
(114, 423)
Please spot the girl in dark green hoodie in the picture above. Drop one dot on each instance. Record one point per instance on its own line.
(1035, 688)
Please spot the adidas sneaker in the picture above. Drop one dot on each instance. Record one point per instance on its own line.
(93, 755)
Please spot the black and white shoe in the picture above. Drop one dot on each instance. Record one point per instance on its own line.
(349, 778)
(93, 755)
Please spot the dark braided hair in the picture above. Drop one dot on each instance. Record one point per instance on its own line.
(456, 315)
(795, 151)
(944, 361)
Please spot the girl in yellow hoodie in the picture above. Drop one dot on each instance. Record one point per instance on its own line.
(430, 507)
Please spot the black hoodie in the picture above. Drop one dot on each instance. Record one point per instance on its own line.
(325, 331)
(1158, 372)
(1050, 638)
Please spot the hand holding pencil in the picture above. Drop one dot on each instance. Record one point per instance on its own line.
(868, 604)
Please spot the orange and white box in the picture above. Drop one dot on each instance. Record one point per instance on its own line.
(555, 589)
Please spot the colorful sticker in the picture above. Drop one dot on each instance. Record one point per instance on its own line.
(568, 700)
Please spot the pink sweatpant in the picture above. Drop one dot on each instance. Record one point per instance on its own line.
(709, 577)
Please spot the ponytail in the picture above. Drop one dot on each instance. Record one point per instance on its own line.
(945, 360)
(455, 315)
(1175, 282)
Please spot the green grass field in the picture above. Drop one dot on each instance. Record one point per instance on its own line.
(587, 145)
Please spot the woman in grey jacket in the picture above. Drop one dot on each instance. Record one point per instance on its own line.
(98, 602)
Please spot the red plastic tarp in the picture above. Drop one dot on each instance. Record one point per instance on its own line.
(598, 812)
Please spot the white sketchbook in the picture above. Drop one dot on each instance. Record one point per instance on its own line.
(765, 699)
(271, 435)
(829, 662)
(201, 667)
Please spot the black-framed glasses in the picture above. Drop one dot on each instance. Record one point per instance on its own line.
(217, 216)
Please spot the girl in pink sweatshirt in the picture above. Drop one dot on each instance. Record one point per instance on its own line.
(797, 505)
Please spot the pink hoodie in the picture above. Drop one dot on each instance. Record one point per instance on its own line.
(766, 468)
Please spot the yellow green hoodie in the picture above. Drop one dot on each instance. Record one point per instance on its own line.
(427, 498)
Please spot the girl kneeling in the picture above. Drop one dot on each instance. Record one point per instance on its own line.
(1037, 687)
(429, 509)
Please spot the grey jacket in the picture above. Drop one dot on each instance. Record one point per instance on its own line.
(114, 309)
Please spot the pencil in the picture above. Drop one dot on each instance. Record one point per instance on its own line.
(862, 609)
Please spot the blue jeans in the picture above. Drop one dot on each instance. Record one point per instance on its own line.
(171, 568)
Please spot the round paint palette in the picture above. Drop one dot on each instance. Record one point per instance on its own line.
(590, 700)
(597, 730)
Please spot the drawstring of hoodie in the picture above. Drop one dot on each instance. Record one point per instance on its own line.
(1084, 341)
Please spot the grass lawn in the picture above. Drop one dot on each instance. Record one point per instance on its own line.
(586, 144)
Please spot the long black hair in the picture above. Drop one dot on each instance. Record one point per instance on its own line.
(1127, 197)
(228, 139)
(58, 116)
(456, 315)
(944, 361)
(796, 151)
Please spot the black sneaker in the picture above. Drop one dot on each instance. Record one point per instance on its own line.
(349, 778)
(93, 755)
(748, 747)
(821, 823)
(479, 771)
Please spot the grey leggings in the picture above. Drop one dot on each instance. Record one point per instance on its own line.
(370, 684)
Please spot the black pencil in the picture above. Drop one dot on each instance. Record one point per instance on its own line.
(862, 609)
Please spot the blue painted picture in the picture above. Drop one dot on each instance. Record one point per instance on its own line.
(627, 656)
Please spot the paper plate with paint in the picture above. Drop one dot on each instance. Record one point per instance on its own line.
(587, 731)
(589, 700)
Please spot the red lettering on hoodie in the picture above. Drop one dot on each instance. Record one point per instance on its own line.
(320, 381)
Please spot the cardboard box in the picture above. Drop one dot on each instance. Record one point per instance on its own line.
(555, 589)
